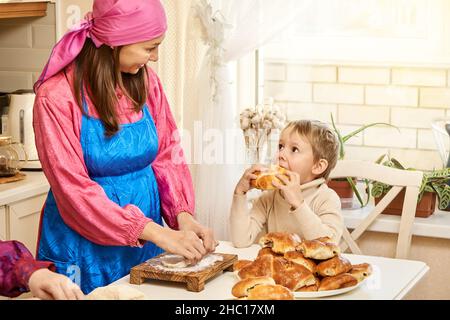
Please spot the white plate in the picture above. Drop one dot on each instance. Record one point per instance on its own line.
(327, 293)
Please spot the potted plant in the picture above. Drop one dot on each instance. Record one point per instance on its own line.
(434, 184)
(346, 187)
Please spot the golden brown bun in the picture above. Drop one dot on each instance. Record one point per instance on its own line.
(238, 265)
(265, 178)
(298, 258)
(262, 266)
(340, 281)
(312, 288)
(318, 250)
(361, 271)
(268, 250)
(241, 288)
(291, 275)
(333, 266)
(270, 292)
(280, 242)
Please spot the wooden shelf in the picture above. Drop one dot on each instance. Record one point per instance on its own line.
(23, 9)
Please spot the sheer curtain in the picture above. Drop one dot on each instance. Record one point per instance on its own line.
(231, 29)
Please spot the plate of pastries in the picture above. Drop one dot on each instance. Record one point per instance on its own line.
(287, 267)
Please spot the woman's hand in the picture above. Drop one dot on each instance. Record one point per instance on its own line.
(244, 185)
(47, 285)
(185, 243)
(290, 188)
(188, 223)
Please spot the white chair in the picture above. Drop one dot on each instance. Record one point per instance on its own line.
(399, 179)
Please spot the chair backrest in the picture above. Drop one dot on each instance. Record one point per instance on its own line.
(398, 179)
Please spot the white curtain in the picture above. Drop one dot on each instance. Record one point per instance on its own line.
(231, 29)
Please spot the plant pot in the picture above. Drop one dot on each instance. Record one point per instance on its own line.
(425, 207)
(342, 188)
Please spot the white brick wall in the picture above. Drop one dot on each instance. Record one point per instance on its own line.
(391, 96)
(338, 93)
(317, 111)
(409, 98)
(359, 114)
(364, 75)
(311, 74)
(25, 46)
(419, 77)
(435, 97)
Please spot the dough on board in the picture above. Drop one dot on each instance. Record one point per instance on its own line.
(174, 261)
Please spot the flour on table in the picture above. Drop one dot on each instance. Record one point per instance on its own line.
(177, 263)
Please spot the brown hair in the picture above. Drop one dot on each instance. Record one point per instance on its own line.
(323, 140)
(99, 70)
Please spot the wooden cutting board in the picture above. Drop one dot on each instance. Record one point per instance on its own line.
(195, 281)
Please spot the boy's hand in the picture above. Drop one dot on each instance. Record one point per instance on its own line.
(290, 188)
(243, 186)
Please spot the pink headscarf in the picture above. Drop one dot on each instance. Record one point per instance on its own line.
(111, 22)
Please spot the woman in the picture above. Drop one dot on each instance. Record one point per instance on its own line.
(20, 272)
(104, 136)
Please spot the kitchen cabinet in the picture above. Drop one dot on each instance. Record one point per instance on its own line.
(24, 220)
(14, 9)
(2, 223)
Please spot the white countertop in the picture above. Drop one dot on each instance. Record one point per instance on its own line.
(392, 279)
(35, 183)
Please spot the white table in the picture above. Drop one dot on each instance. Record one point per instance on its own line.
(392, 279)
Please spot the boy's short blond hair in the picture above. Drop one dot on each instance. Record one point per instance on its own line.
(323, 140)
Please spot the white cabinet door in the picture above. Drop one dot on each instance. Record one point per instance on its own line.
(3, 235)
(24, 221)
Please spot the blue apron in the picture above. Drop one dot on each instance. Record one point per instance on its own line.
(121, 166)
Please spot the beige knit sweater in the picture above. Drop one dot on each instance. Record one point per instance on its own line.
(318, 216)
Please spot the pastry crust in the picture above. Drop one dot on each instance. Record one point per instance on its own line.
(298, 258)
(340, 281)
(361, 271)
(238, 265)
(280, 242)
(291, 275)
(268, 250)
(262, 266)
(318, 250)
(241, 288)
(270, 292)
(264, 179)
(334, 266)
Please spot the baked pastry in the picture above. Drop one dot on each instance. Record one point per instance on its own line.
(241, 288)
(238, 265)
(280, 242)
(270, 292)
(361, 271)
(318, 250)
(334, 266)
(268, 250)
(262, 266)
(264, 178)
(340, 281)
(298, 257)
(291, 275)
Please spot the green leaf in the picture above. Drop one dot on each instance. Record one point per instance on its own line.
(355, 190)
(341, 141)
(380, 159)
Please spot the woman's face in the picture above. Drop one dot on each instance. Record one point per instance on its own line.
(133, 57)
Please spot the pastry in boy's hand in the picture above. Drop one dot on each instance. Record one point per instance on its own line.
(265, 178)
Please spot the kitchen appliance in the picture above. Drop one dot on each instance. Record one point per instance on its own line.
(9, 157)
(20, 119)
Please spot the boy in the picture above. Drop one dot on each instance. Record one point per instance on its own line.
(302, 203)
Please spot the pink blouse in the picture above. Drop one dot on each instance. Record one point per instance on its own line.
(82, 203)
